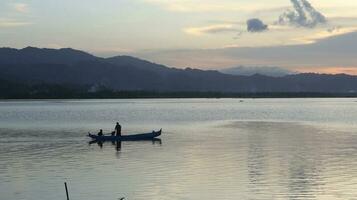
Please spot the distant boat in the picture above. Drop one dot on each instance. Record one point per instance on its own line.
(134, 137)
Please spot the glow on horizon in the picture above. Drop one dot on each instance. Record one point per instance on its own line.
(330, 70)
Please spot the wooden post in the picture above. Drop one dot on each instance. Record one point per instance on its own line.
(65, 185)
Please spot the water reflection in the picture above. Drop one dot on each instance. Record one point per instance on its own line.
(304, 175)
(285, 154)
(256, 157)
(118, 144)
(42, 146)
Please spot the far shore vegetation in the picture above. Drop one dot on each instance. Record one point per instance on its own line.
(9, 90)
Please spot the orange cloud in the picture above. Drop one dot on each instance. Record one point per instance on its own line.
(217, 28)
(330, 70)
(21, 7)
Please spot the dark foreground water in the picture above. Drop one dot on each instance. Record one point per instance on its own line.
(210, 149)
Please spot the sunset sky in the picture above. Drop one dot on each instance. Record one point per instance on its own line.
(313, 35)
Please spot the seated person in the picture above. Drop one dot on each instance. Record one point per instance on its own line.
(100, 132)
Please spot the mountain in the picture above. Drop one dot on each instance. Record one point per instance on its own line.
(137, 63)
(34, 66)
(249, 71)
(32, 55)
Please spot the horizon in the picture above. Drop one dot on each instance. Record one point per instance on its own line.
(297, 35)
(329, 71)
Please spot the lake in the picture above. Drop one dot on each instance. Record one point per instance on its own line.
(209, 149)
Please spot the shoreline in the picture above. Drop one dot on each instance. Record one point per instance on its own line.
(179, 95)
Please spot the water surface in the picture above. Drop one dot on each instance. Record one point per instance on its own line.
(210, 149)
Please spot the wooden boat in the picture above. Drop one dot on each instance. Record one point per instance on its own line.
(142, 136)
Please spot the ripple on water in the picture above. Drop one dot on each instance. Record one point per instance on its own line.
(208, 158)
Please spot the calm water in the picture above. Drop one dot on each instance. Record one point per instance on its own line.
(210, 149)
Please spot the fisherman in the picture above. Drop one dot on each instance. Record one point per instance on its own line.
(100, 132)
(118, 129)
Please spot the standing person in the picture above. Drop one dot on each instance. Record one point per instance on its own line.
(118, 129)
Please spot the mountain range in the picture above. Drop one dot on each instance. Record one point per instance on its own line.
(262, 70)
(124, 73)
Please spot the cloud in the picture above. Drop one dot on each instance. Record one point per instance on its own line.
(330, 32)
(11, 21)
(256, 25)
(334, 29)
(8, 23)
(21, 7)
(303, 15)
(212, 29)
(110, 51)
(329, 52)
(209, 5)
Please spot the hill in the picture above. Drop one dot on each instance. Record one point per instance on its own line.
(69, 67)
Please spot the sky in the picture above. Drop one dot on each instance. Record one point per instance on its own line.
(301, 35)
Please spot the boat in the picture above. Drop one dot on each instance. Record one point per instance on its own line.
(134, 137)
(153, 140)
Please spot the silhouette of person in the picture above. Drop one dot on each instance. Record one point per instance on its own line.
(118, 129)
(100, 133)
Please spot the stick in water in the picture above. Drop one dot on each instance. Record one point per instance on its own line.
(65, 185)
